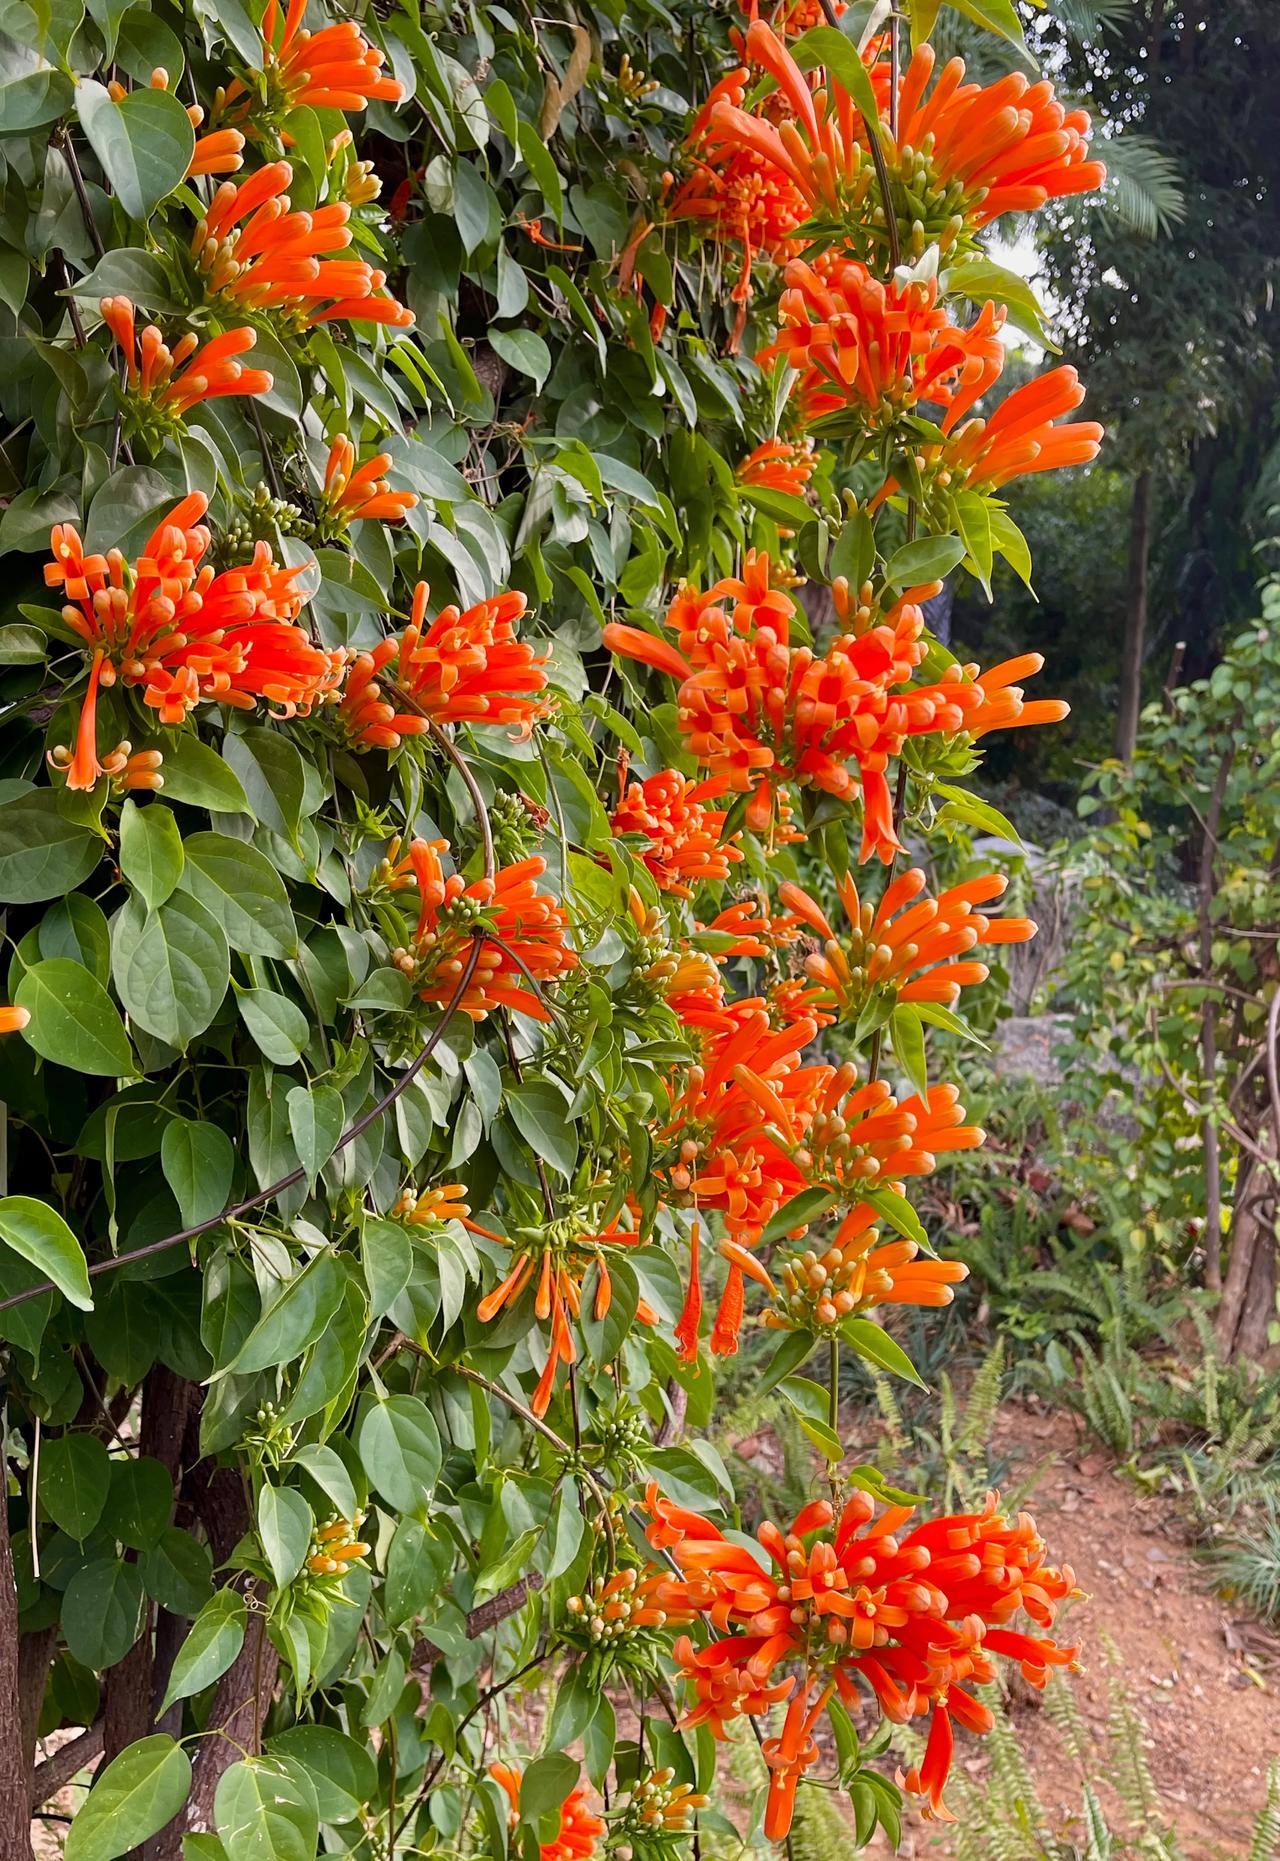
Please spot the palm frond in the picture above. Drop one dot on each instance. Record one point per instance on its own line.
(1087, 20)
(1144, 189)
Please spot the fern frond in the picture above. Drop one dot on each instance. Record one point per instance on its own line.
(1265, 1845)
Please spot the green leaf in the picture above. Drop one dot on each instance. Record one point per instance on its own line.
(537, 159)
(171, 967)
(329, 1472)
(878, 1347)
(998, 16)
(386, 1254)
(74, 1022)
(133, 273)
(827, 45)
(342, 1772)
(132, 1799)
(216, 1638)
(199, 1162)
(145, 143)
(572, 1710)
(962, 806)
(139, 1501)
(542, 1119)
(42, 854)
(126, 507)
(285, 1526)
(75, 927)
(177, 1571)
(101, 1610)
(808, 1206)
(907, 1035)
(240, 887)
(928, 559)
(294, 1320)
(980, 279)
(265, 1809)
(523, 350)
(271, 772)
(150, 850)
(795, 1348)
(75, 1476)
(545, 1785)
(195, 773)
(40, 1235)
(316, 1118)
(22, 646)
(399, 1447)
(895, 1209)
(278, 1026)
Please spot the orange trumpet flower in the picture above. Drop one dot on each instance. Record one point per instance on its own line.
(357, 494)
(684, 847)
(173, 381)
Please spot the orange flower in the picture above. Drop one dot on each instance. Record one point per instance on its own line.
(760, 713)
(259, 255)
(779, 465)
(818, 1290)
(1008, 147)
(557, 1258)
(579, 1830)
(903, 954)
(333, 69)
(183, 634)
(356, 494)
(528, 926)
(962, 157)
(13, 1020)
(337, 1546)
(739, 199)
(915, 1616)
(882, 349)
(152, 368)
(462, 668)
(685, 846)
(1020, 437)
(445, 1202)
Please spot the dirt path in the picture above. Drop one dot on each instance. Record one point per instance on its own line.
(1206, 1684)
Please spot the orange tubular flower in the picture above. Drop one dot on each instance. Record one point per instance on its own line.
(555, 1260)
(579, 1830)
(333, 69)
(779, 465)
(904, 953)
(1020, 437)
(445, 1202)
(817, 1291)
(260, 256)
(882, 349)
(962, 157)
(183, 634)
(916, 1616)
(461, 668)
(528, 925)
(740, 199)
(13, 1020)
(156, 374)
(684, 837)
(356, 494)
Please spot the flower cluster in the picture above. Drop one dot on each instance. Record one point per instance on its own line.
(254, 253)
(357, 494)
(182, 634)
(915, 1616)
(684, 838)
(464, 667)
(904, 949)
(520, 931)
(758, 712)
(170, 382)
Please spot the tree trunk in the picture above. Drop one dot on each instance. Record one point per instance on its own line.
(1135, 620)
(1248, 1289)
(15, 1814)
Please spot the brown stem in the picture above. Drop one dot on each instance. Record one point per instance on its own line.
(62, 1765)
(15, 1820)
(1209, 1021)
(1135, 622)
(498, 1608)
